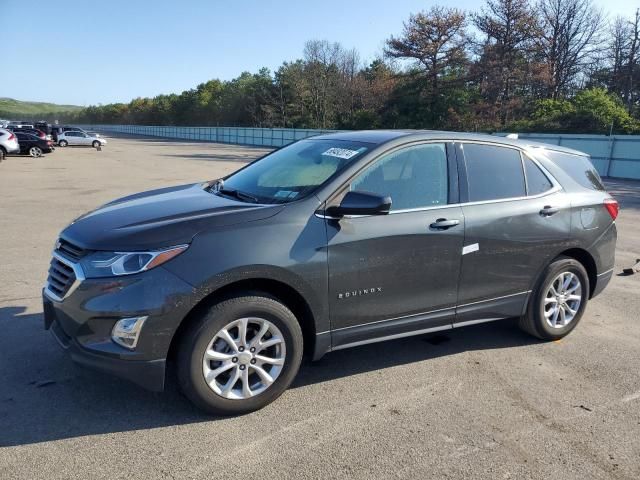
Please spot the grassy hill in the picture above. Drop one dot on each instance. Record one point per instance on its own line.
(17, 110)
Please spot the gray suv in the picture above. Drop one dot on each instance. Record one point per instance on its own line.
(331, 242)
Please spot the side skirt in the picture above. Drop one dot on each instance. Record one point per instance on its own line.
(483, 311)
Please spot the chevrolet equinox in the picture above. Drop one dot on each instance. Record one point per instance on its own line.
(331, 242)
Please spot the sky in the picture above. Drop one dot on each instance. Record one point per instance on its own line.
(88, 53)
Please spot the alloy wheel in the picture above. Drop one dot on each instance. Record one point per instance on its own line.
(244, 358)
(35, 152)
(562, 300)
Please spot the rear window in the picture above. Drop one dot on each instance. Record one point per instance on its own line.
(493, 172)
(579, 167)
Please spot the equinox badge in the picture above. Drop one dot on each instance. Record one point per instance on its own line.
(357, 293)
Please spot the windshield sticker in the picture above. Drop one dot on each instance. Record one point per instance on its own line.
(285, 194)
(341, 153)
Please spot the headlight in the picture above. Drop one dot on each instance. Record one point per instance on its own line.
(109, 264)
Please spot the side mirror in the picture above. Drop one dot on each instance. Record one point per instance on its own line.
(361, 203)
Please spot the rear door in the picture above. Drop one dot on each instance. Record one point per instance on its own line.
(24, 141)
(397, 274)
(516, 218)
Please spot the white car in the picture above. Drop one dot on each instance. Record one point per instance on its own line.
(8, 143)
(75, 137)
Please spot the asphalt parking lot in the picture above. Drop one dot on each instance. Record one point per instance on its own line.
(481, 402)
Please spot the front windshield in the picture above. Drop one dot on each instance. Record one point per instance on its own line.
(294, 171)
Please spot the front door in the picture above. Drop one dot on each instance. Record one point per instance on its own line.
(397, 274)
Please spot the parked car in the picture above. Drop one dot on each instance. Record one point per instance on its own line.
(33, 145)
(32, 131)
(331, 242)
(8, 143)
(44, 126)
(72, 137)
(69, 128)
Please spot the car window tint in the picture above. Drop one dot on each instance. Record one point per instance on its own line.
(493, 172)
(296, 170)
(413, 177)
(537, 181)
(579, 167)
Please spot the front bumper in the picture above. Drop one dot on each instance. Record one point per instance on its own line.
(149, 374)
(82, 322)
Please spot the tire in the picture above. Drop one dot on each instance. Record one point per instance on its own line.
(206, 335)
(63, 143)
(35, 152)
(540, 320)
(3, 154)
(95, 144)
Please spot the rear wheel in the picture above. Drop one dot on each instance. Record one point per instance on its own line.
(242, 354)
(95, 144)
(558, 302)
(35, 152)
(63, 143)
(3, 153)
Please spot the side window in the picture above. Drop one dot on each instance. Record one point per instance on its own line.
(414, 177)
(537, 181)
(579, 167)
(493, 172)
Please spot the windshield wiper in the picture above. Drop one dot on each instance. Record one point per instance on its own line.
(240, 195)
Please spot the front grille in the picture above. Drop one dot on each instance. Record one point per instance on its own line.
(70, 250)
(61, 277)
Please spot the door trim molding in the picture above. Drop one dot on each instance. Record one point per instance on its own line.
(403, 317)
(392, 337)
(492, 299)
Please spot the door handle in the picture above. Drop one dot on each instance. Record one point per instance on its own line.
(443, 224)
(547, 211)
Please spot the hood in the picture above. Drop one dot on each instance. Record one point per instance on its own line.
(160, 218)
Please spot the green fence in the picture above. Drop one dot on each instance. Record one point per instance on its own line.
(615, 156)
(268, 137)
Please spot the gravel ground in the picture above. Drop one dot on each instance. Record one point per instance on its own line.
(480, 402)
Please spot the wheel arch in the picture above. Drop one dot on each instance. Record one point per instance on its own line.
(276, 289)
(587, 261)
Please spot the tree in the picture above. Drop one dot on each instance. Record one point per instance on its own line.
(600, 112)
(509, 26)
(321, 73)
(632, 60)
(570, 37)
(436, 40)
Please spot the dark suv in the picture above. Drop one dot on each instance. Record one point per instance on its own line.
(331, 242)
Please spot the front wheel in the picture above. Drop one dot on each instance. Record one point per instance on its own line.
(35, 152)
(241, 355)
(3, 153)
(559, 300)
(63, 143)
(95, 144)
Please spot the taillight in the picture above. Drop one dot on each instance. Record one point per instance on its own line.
(612, 207)
(12, 136)
(49, 142)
